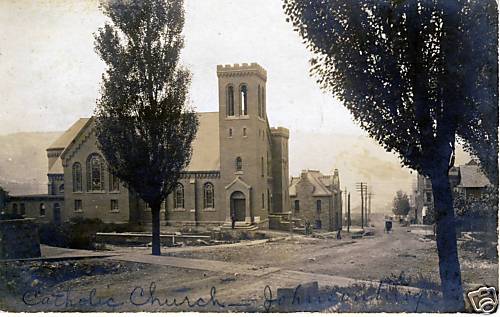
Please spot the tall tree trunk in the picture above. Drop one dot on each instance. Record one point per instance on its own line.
(449, 266)
(155, 213)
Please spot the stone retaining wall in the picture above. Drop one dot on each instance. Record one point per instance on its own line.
(19, 239)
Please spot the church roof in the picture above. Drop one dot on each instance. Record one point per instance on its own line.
(67, 137)
(57, 167)
(206, 153)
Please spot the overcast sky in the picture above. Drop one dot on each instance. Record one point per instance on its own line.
(50, 73)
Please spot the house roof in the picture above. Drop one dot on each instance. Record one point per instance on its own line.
(205, 156)
(471, 176)
(317, 180)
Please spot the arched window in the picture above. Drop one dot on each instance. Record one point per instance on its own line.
(208, 193)
(244, 100)
(230, 132)
(179, 197)
(14, 208)
(77, 177)
(239, 164)
(114, 183)
(259, 100)
(42, 209)
(230, 101)
(61, 189)
(95, 173)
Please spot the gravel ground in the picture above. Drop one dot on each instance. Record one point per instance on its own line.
(401, 258)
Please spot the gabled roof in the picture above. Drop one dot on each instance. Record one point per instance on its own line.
(471, 176)
(206, 152)
(57, 167)
(67, 137)
(316, 179)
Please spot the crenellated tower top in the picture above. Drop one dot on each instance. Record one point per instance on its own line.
(231, 70)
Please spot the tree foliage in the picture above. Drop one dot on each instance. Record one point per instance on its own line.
(144, 124)
(401, 204)
(415, 74)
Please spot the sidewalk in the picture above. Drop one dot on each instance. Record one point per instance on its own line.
(197, 264)
(60, 254)
(275, 273)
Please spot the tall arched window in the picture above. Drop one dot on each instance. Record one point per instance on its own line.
(95, 173)
(244, 99)
(208, 193)
(230, 101)
(42, 209)
(77, 177)
(239, 164)
(259, 99)
(179, 197)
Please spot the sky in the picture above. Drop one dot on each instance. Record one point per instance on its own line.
(51, 73)
(50, 76)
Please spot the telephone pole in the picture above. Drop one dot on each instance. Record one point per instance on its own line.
(361, 187)
(348, 211)
(370, 194)
(345, 198)
(366, 206)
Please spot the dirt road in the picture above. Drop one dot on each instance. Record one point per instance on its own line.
(166, 284)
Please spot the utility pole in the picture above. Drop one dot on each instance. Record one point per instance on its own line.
(362, 188)
(348, 211)
(366, 205)
(370, 203)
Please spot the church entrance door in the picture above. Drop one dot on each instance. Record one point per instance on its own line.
(238, 205)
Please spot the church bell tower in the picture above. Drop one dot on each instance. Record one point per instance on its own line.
(245, 143)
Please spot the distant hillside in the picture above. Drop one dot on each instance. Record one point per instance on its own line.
(23, 161)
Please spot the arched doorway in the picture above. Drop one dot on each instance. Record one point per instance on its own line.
(238, 205)
(57, 213)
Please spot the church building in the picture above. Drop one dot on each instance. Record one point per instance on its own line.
(238, 163)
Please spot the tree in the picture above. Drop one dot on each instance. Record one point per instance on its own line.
(401, 204)
(144, 125)
(416, 75)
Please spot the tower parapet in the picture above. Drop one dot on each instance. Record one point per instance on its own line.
(231, 70)
(280, 131)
